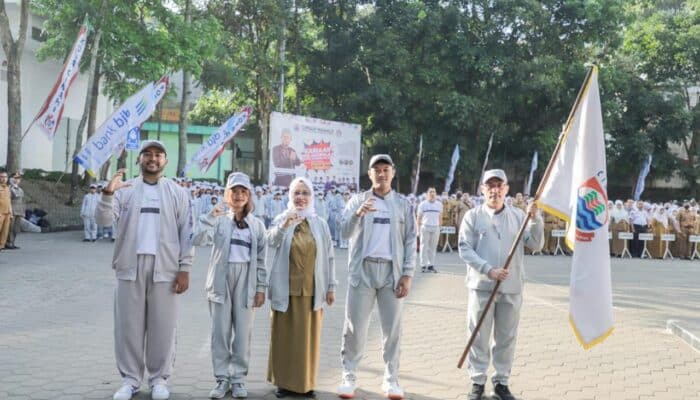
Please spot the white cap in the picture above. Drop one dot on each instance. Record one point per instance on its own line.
(380, 158)
(238, 179)
(494, 173)
(152, 143)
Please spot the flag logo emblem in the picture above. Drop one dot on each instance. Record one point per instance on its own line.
(592, 209)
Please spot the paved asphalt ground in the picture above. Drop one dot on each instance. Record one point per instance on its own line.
(56, 339)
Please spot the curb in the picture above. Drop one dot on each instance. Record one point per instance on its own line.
(674, 327)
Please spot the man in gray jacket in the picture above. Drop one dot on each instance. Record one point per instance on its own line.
(152, 260)
(381, 230)
(486, 235)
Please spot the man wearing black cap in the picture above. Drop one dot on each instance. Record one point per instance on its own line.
(152, 260)
(381, 230)
(486, 235)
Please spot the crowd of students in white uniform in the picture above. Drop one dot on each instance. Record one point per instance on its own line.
(676, 217)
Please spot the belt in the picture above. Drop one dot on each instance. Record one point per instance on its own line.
(377, 260)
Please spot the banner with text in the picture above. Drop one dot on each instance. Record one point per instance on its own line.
(325, 152)
(49, 116)
(111, 136)
(216, 143)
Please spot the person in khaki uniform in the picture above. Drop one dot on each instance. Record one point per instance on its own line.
(519, 201)
(619, 222)
(5, 209)
(659, 226)
(550, 243)
(687, 220)
(464, 204)
(18, 210)
(445, 219)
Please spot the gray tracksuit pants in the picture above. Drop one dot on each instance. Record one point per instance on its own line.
(145, 319)
(428, 244)
(376, 284)
(502, 318)
(90, 228)
(232, 327)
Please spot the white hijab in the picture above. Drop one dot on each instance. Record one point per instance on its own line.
(619, 214)
(661, 216)
(310, 210)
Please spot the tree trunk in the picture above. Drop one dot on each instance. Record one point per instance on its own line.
(92, 121)
(184, 108)
(13, 52)
(14, 116)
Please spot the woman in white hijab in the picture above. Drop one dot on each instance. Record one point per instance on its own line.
(619, 222)
(302, 283)
(659, 226)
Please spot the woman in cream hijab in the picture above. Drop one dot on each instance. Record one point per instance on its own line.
(302, 284)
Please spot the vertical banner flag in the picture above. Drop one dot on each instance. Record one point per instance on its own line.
(111, 136)
(420, 155)
(215, 144)
(533, 168)
(576, 191)
(639, 187)
(483, 167)
(49, 116)
(453, 166)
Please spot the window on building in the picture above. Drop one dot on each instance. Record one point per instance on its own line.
(194, 139)
(38, 34)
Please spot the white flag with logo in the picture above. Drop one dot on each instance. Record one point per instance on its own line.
(576, 191)
(110, 137)
(215, 144)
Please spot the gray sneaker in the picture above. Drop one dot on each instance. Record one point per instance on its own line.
(219, 392)
(239, 391)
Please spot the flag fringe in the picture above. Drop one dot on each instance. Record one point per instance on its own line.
(589, 345)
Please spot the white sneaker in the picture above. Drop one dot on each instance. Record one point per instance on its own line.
(220, 390)
(239, 391)
(160, 392)
(126, 392)
(392, 390)
(346, 390)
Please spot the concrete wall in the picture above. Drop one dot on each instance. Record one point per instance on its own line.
(38, 79)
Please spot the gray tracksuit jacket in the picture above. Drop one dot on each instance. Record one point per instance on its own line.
(358, 231)
(175, 251)
(484, 243)
(221, 229)
(280, 241)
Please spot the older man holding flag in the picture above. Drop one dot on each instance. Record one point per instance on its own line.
(574, 189)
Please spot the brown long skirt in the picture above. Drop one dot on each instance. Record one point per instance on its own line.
(295, 345)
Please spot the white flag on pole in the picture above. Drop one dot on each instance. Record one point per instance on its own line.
(533, 168)
(576, 191)
(49, 116)
(414, 190)
(215, 144)
(111, 135)
(453, 166)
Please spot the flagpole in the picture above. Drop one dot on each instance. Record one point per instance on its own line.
(521, 231)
